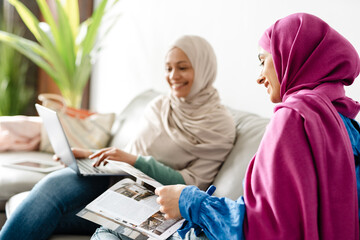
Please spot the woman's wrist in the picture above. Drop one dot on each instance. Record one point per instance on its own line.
(190, 201)
(130, 158)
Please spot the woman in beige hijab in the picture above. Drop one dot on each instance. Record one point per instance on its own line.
(185, 137)
(188, 132)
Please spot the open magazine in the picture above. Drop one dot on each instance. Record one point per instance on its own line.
(130, 208)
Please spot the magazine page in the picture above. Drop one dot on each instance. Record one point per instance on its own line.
(134, 207)
(134, 172)
(120, 227)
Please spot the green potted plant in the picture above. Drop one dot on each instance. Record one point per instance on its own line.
(64, 48)
(15, 94)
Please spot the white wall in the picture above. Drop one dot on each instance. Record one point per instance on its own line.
(133, 54)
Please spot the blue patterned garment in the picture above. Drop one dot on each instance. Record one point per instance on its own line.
(353, 129)
(214, 216)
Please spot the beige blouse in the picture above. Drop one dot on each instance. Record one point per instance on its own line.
(153, 140)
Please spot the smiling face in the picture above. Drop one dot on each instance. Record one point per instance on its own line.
(268, 76)
(179, 72)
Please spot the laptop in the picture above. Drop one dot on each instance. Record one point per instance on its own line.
(61, 146)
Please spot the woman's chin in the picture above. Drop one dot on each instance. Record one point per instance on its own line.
(179, 94)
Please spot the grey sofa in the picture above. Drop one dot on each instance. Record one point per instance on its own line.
(250, 128)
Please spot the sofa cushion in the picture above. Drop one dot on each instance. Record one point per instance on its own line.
(19, 133)
(249, 131)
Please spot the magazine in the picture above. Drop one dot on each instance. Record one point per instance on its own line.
(130, 208)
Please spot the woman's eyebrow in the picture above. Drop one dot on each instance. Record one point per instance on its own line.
(260, 55)
(182, 61)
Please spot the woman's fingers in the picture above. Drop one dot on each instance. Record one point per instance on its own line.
(169, 200)
(98, 153)
(113, 154)
(100, 156)
(107, 155)
(99, 161)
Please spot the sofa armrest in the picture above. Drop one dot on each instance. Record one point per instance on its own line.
(13, 181)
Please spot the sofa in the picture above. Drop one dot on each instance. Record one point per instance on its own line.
(15, 184)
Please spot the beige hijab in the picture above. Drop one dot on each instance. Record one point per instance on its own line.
(198, 124)
(191, 121)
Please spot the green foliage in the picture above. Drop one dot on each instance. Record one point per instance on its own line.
(64, 47)
(14, 94)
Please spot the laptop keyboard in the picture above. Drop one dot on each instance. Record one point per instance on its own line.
(86, 166)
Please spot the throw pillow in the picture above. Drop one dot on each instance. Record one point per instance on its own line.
(19, 133)
(83, 129)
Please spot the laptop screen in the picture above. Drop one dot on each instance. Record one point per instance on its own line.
(57, 136)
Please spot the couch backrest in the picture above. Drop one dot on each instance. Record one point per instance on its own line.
(127, 122)
(249, 131)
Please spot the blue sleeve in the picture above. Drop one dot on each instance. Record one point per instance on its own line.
(353, 127)
(215, 216)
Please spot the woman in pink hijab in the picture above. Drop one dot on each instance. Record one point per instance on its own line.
(301, 183)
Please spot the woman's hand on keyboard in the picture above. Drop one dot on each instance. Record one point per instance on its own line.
(114, 154)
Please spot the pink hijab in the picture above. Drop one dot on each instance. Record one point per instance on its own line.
(301, 183)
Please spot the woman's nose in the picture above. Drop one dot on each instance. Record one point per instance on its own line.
(174, 74)
(260, 79)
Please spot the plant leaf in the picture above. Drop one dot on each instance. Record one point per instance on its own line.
(32, 50)
(47, 14)
(64, 52)
(67, 44)
(82, 73)
(33, 24)
(72, 11)
(94, 23)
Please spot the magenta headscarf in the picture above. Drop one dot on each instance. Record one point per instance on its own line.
(301, 183)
